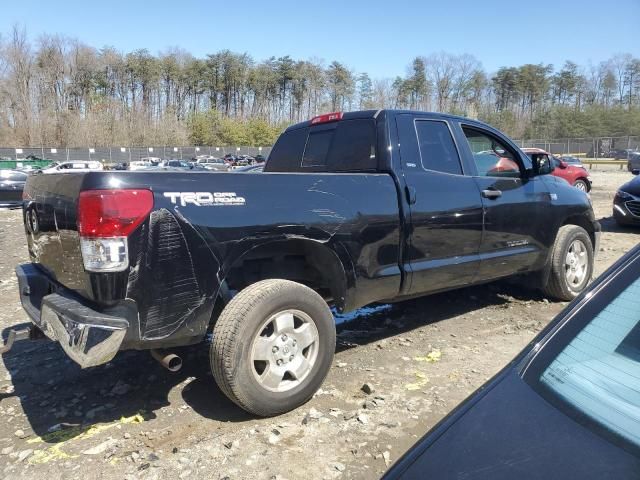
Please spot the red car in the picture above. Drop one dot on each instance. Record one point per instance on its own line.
(576, 176)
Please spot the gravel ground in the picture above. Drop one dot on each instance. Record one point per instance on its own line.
(133, 419)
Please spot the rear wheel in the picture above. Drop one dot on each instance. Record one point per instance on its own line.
(581, 185)
(571, 263)
(273, 346)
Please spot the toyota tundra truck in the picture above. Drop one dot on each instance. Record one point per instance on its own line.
(352, 209)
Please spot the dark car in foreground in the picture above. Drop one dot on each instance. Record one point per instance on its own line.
(11, 186)
(634, 161)
(626, 203)
(567, 407)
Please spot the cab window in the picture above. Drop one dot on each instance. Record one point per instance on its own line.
(437, 150)
(491, 156)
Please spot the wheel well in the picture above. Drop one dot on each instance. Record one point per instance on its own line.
(582, 221)
(304, 261)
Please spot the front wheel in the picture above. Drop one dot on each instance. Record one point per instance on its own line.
(571, 263)
(273, 346)
(581, 185)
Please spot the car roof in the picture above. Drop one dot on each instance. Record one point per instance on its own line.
(534, 150)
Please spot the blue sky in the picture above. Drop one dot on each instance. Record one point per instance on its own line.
(374, 36)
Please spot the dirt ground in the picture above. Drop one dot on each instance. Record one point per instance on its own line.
(133, 419)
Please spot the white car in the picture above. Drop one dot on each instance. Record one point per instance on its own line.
(215, 164)
(140, 165)
(78, 166)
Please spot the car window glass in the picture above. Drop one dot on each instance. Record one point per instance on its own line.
(13, 176)
(437, 150)
(598, 372)
(353, 146)
(491, 156)
(347, 145)
(315, 152)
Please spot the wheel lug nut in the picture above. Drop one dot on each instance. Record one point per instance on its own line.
(291, 358)
(274, 349)
(284, 338)
(279, 362)
(294, 343)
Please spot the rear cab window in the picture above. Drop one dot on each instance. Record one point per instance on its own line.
(342, 146)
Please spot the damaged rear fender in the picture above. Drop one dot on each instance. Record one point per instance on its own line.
(272, 259)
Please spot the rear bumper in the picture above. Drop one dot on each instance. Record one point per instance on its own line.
(87, 336)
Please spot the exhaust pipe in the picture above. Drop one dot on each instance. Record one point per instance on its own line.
(170, 361)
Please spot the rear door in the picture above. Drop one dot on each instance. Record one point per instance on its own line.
(517, 209)
(445, 207)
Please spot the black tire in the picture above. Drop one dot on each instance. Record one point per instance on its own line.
(242, 321)
(558, 285)
(582, 185)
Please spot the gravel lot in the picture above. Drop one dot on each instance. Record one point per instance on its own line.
(133, 419)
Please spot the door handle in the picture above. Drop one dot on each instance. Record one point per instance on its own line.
(410, 192)
(491, 194)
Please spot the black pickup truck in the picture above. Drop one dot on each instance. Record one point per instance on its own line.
(353, 208)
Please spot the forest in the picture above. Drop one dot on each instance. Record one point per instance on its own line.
(59, 91)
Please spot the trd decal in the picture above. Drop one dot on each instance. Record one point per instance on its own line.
(205, 199)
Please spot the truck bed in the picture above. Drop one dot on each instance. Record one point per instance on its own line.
(201, 225)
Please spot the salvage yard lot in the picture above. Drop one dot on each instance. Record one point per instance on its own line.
(133, 419)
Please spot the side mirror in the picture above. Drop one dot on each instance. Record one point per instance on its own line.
(636, 171)
(541, 165)
(563, 164)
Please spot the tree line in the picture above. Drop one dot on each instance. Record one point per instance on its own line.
(60, 91)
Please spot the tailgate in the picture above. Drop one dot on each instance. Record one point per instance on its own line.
(49, 215)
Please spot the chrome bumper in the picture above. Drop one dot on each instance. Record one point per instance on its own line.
(87, 336)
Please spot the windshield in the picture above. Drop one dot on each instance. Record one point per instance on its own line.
(597, 373)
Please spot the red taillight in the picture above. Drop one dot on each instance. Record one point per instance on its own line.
(112, 213)
(327, 117)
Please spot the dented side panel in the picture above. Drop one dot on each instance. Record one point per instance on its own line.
(201, 224)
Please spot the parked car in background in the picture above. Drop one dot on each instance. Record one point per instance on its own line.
(571, 160)
(620, 154)
(250, 169)
(140, 165)
(259, 158)
(11, 185)
(634, 161)
(568, 406)
(626, 203)
(75, 166)
(215, 164)
(181, 165)
(29, 169)
(574, 175)
(154, 161)
(240, 162)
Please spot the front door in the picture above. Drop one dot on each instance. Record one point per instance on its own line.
(517, 209)
(445, 207)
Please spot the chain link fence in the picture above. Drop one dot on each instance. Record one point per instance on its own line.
(591, 147)
(115, 155)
